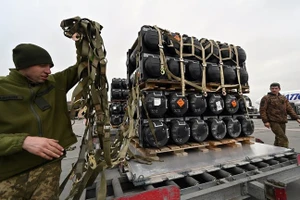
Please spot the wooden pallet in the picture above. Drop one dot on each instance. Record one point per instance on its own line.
(213, 86)
(170, 85)
(178, 150)
(115, 126)
(215, 144)
(117, 101)
(245, 140)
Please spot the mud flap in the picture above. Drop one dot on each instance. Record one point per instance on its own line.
(275, 190)
(163, 193)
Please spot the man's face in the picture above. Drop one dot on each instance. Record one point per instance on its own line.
(37, 73)
(274, 90)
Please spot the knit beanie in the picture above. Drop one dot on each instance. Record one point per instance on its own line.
(27, 55)
(275, 84)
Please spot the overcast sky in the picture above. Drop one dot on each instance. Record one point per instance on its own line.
(267, 29)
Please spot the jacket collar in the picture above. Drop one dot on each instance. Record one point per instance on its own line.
(17, 77)
(270, 93)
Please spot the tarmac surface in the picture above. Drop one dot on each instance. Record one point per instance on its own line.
(78, 128)
(293, 134)
(261, 132)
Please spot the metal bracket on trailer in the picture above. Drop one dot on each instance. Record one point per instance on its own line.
(269, 190)
(164, 193)
(275, 190)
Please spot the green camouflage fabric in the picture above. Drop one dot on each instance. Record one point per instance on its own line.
(275, 109)
(39, 184)
(25, 116)
(281, 139)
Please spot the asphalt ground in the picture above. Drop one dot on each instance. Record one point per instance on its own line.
(293, 134)
(261, 132)
(78, 128)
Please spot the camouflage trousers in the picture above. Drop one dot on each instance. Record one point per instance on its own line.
(281, 139)
(38, 184)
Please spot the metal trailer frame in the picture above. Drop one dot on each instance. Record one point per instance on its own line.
(252, 186)
(222, 182)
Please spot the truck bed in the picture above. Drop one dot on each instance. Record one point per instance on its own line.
(176, 166)
(237, 172)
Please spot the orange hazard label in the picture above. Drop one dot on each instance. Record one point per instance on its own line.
(180, 102)
(234, 104)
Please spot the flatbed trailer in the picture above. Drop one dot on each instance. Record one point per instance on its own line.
(253, 170)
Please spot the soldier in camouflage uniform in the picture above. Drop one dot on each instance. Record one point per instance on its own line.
(39, 183)
(35, 125)
(274, 108)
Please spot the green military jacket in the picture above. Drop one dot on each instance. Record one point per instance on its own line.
(275, 108)
(39, 110)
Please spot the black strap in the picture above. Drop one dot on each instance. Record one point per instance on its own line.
(46, 91)
(10, 97)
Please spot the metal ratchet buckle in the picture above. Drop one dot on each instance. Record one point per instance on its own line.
(76, 37)
(92, 161)
(77, 180)
(107, 128)
(121, 160)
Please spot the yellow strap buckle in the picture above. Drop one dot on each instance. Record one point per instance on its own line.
(162, 71)
(92, 161)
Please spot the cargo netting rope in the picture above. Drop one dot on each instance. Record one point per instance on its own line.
(91, 94)
(231, 48)
(203, 46)
(128, 128)
(164, 65)
(221, 62)
(120, 150)
(238, 72)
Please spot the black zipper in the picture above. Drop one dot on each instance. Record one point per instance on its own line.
(40, 133)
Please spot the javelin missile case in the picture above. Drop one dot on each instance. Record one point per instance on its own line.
(215, 80)
(191, 113)
(118, 100)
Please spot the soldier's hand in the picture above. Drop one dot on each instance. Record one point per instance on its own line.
(267, 125)
(298, 120)
(43, 147)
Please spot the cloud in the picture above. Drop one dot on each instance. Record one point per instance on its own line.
(267, 30)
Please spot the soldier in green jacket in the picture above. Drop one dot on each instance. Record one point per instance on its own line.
(35, 125)
(274, 108)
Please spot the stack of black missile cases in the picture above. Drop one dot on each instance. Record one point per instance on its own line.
(195, 116)
(118, 100)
